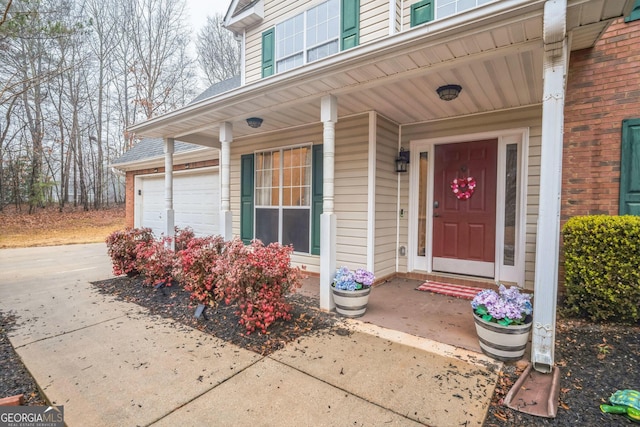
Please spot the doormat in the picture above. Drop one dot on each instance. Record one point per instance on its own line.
(458, 291)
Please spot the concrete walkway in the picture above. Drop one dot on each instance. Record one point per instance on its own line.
(110, 363)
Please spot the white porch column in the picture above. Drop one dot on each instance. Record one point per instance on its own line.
(548, 232)
(226, 136)
(329, 117)
(169, 222)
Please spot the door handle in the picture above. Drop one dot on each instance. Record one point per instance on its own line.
(436, 215)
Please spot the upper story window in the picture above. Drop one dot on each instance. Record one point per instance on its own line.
(308, 36)
(316, 33)
(428, 10)
(445, 8)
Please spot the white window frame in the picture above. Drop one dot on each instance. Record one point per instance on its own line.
(440, 5)
(281, 207)
(281, 57)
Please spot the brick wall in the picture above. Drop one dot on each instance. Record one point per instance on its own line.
(603, 88)
(130, 183)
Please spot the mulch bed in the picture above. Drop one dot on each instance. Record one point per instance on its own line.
(15, 379)
(594, 360)
(222, 322)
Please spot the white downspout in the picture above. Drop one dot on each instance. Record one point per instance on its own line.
(548, 231)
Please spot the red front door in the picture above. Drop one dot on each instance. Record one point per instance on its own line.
(464, 223)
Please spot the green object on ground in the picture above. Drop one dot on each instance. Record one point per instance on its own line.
(625, 402)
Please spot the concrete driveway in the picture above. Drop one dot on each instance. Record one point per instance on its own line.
(110, 363)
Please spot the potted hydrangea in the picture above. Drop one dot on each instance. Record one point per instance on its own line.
(351, 291)
(503, 322)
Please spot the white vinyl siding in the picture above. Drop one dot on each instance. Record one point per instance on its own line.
(386, 197)
(351, 188)
(374, 20)
(530, 118)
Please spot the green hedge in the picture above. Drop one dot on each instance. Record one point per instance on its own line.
(602, 267)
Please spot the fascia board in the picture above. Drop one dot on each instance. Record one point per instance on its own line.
(197, 155)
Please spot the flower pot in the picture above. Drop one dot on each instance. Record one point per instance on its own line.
(351, 303)
(506, 343)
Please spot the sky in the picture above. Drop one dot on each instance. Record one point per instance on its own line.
(198, 10)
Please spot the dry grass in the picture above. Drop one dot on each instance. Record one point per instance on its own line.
(48, 227)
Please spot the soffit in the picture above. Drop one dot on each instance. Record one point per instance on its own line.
(497, 59)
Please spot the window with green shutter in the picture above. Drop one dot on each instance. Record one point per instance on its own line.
(630, 168)
(350, 24)
(268, 52)
(316, 33)
(421, 12)
(281, 197)
(246, 198)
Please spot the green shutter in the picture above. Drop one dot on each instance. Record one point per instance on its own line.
(349, 24)
(630, 168)
(268, 52)
(635, 12)
(246, 198)
(421, 12)
(316, 198)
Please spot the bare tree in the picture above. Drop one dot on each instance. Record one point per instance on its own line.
(74, 75)
(218, 51)
(159, 40)
(106, 37)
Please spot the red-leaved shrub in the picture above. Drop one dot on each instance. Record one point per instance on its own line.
(155, 261)
(257, 278)
(183, 236)
(195, 263)
(122, 248)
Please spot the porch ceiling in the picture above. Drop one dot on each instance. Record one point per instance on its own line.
(495, 54)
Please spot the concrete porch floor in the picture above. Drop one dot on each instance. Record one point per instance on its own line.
(397, 305)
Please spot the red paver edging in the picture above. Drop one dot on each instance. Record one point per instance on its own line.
(16, 400)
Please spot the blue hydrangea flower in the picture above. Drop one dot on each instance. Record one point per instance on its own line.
(346, 280)
(507, 306)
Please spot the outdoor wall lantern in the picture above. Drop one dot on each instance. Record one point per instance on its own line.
(449, 92)
(402, 160)
(254, 122)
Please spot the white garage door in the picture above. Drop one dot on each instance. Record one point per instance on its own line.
(196, 202)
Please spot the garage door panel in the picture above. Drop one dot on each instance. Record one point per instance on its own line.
(196, 199)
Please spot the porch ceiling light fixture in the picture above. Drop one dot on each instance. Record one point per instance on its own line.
(449, 92)
(402, 160)
(254, 122)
